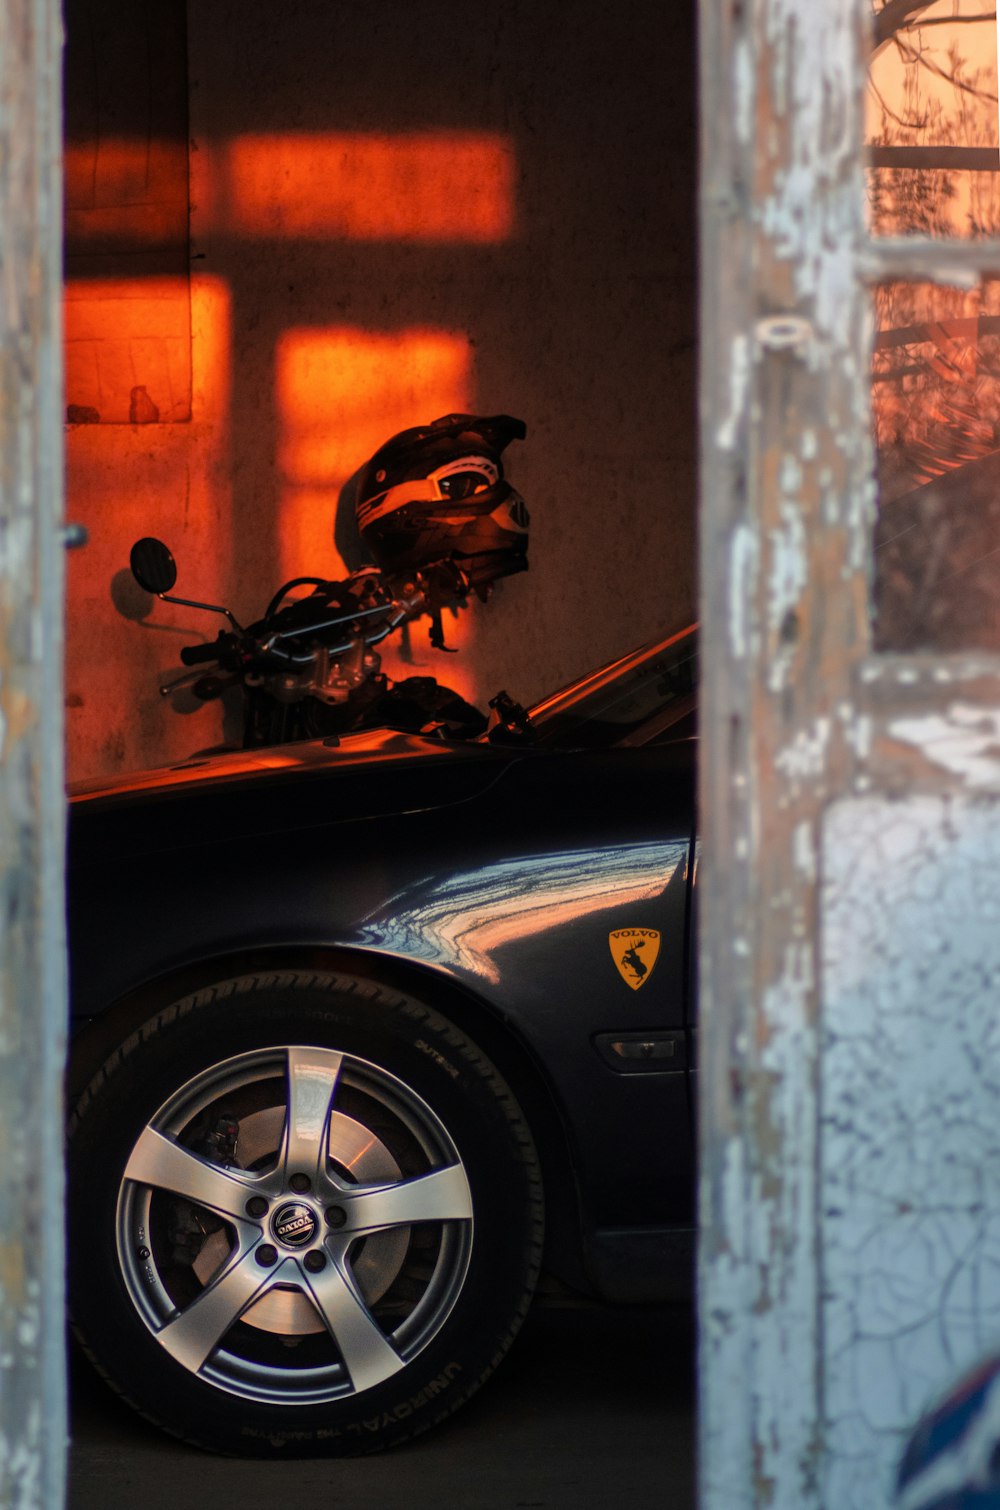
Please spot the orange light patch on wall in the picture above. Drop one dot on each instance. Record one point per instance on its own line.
(128, 350)
(425, 186)
(211, 352)
(342, 392)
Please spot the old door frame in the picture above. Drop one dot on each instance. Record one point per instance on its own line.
(806, 733)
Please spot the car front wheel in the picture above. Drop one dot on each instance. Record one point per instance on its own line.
(305, 1216)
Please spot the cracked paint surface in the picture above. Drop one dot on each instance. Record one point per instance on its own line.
(909, 1134)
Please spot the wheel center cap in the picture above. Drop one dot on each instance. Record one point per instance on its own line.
(295, 1225)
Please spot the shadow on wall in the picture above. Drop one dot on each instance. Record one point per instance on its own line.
(346, 535)
(507, 226)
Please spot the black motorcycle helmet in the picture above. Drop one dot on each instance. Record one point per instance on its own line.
(437, 493)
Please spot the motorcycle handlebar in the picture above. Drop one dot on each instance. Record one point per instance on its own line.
(288, 643)
(193, 655)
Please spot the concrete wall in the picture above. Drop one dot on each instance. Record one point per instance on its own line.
(396, 210)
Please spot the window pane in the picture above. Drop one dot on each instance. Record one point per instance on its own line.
(932, 131)
(936, 412)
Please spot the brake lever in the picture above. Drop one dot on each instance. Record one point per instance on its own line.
(180, 681)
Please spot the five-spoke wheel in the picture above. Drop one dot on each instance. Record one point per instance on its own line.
(305, 1216)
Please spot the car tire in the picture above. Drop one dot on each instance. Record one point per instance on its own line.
(305, 1216)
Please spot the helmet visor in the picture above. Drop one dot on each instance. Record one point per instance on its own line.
(464, 477)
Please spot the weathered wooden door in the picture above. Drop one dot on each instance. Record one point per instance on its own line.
(850, 1177)
(32, 969)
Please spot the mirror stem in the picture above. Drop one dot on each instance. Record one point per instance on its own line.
(209, 608)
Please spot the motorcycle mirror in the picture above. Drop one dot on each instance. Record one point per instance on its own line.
(155, 570)
(153, 567)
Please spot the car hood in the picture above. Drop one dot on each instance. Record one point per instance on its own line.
(292, 787)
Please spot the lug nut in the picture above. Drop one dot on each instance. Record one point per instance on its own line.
(336, 1216)
(300, 1182)
(256, 1205)
(315, 1260)
(266, 1256)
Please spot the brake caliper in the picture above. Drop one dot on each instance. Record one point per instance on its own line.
(188, 1225)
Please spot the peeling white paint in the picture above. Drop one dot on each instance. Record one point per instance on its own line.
(789, 569)
(861, 521)
(809, 64)
(744, 558)
(805, 757)
(727, 431)
(21, 1465)
(964, 741)
(804, 851)
(859, 730)
(29, 1321)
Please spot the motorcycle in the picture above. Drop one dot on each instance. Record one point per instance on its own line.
(308, 668)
